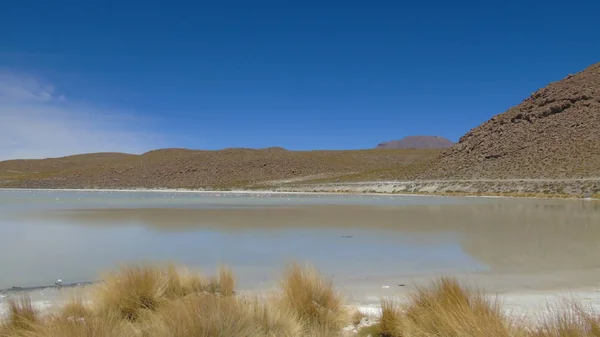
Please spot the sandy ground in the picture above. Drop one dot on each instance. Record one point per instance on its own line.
(507, 188)
(586, 187)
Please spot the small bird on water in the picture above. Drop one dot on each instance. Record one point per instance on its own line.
(58, 283)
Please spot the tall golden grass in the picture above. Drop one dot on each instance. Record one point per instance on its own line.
(164, 301)
(314, 300)
(445, 308)
(22, 318)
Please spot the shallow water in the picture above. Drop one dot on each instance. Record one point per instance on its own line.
(356, 240)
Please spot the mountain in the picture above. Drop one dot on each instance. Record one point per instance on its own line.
(417, 142)
(183, 168)
(554, 133)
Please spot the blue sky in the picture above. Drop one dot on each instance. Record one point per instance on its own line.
(79, 76)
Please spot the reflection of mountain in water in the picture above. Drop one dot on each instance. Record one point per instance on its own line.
(508, 235)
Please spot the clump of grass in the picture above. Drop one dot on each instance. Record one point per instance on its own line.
(77, 318)
(89, 325)
(22, 318)
(132, 290)
(390, 323)
(322, 331)
(271, 319)
(75, 309)
(357, 316)
(313, 299)
(226, 282)
(445, 308)
(568, 320)
(138, 288)
(203, 315)
(449, 309)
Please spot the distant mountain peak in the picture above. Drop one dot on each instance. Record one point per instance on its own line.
(417, 142)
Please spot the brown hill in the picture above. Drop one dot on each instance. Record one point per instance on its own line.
(417, 142)
(58, 164)
(181, 168)
(555, 133)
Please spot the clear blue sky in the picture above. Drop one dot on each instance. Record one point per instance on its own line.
(297, 74)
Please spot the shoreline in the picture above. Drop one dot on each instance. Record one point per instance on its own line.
(531, 306)
(325, 191)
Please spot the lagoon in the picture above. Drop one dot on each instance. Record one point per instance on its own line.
(370, 245)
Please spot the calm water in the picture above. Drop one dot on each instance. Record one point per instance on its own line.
(46, 235)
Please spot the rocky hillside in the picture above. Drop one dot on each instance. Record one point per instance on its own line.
(555, 133)
(181, 168)
(417, 142)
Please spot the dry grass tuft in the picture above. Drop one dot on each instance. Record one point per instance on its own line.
(390, 322)
(445, 308)
(273, 320)
(449, 309)
(226, 282)
(22, 318)
(569, 320)
(203, 315)
(134, 289)
(76, 308)
(131, 290)
(88, 326)
(357, 316)
(322, 331)
(313, 299)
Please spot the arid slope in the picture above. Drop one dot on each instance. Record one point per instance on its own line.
(181, 168)
(555, 133)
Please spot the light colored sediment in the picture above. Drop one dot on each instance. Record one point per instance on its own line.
(555, 188)
(584, 187)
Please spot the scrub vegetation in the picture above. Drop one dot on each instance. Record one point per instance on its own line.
(165, 301)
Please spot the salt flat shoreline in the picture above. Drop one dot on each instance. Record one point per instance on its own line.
(341, 191)
(235, 192)
(571, 188)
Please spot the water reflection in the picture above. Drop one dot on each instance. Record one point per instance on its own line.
(511, 235)
(81, 234)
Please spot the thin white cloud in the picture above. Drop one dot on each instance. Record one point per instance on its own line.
(37, 121)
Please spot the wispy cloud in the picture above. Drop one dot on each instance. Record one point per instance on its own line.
(38, 121)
